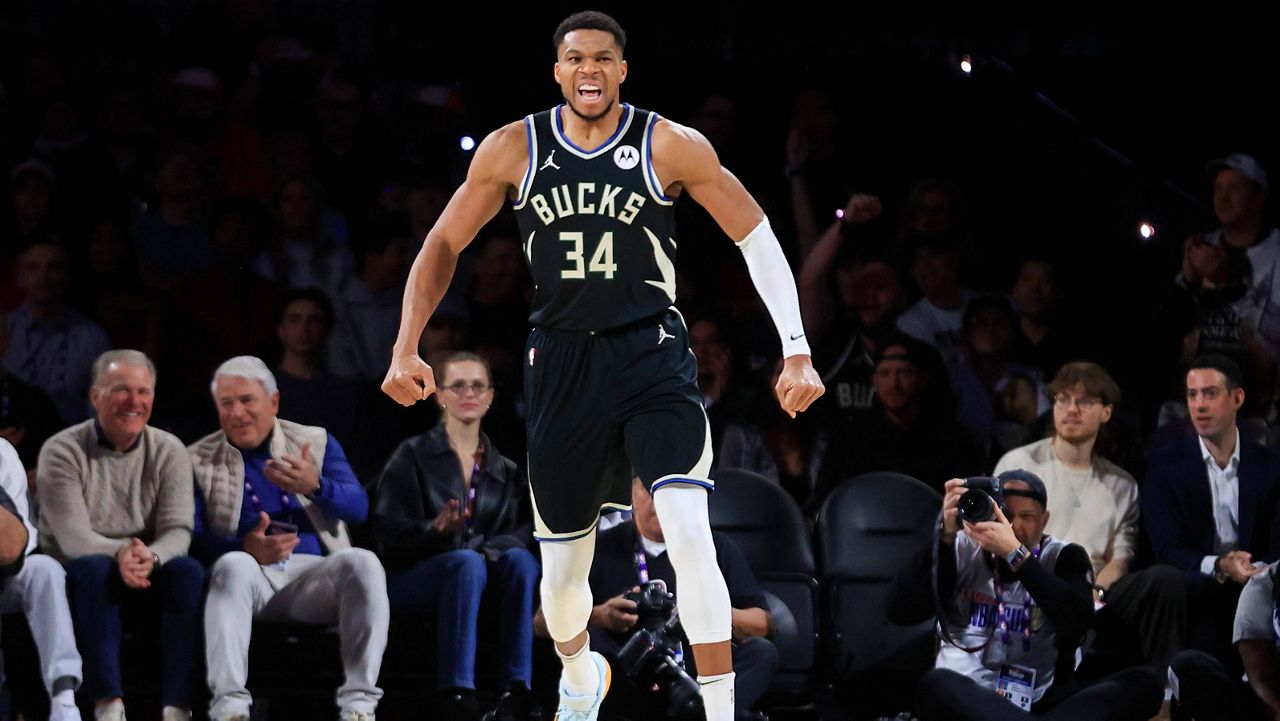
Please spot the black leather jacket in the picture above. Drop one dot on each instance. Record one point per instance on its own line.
(421, 476)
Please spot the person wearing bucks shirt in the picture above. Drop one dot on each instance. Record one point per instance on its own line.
(1017, 604)
(610, 383)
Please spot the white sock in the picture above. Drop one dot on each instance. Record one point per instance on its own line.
(580, 677)
(717, 696)
(65, 697)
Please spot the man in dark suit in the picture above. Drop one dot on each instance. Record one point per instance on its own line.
(1210, 504)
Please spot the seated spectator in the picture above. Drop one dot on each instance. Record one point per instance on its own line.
(116, 509)
(910, 429)
(1239, 201)
(847, 312)
(634, 553)
(1207, 692)
(1042, 338)
(39, 591)
(1094, 503)
(274, 501)
(171, 236)
(453, 522)
(999, 398)
(367, 307)
(1016, 605)
(1210, 506)
(52, 346)
(306, 252)
(309, 394)
(938, 317)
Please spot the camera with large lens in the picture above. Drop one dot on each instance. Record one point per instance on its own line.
(649, 656)
(979, 503)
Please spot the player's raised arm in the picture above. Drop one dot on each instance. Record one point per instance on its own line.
(497, 168)
(683, 156)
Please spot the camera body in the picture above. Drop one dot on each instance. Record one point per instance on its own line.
(979, 502)
(649, 657)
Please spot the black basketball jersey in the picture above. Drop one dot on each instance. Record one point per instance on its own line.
(597, 230)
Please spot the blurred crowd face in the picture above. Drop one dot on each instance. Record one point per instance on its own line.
(932, 213)
(936, 271)
(1236, 199)
(898, 382)
(873, 292)
(303, 328)
(989, 333)
(296, 205)
(43, 274)
(1036, 289)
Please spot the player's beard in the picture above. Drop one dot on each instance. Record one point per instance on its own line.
(589, 118)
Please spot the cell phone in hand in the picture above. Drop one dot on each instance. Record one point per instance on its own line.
(280, 527)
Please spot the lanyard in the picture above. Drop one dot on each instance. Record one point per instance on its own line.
(285, 502)
(471, 492)
(642, 564)
(1002, 620)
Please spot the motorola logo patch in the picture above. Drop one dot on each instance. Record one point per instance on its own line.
(626, 157)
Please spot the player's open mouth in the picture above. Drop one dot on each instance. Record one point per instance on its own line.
(590, 92)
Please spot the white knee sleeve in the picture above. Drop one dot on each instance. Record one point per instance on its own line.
(566, 595)
(702, 595)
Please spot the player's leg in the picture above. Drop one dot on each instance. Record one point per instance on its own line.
(574, 450)
(668, 442)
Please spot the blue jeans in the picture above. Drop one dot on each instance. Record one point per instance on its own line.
(450, 587)
(96, 592)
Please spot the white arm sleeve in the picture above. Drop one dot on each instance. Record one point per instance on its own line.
(777, 287)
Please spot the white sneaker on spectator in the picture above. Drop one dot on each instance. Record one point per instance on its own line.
(113, 711)
(173, 713)
(353, 715)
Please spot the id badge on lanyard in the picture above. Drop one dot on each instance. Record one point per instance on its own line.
(1017, 684)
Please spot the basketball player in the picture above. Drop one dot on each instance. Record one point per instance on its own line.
(610, 381)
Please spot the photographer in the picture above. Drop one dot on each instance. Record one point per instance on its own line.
(1017, 604)
(629, 556)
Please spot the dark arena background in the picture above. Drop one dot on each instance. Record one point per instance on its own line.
(177, 154)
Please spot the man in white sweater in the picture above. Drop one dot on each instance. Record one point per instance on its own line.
(39, 591)
(116, 507)
(1094, 503)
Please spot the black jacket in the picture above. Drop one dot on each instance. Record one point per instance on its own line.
(421, 476)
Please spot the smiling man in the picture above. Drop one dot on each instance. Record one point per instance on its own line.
(611, 382)
(1210, 506)
(116, 507)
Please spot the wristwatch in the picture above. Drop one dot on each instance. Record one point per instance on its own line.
(155, 557)
(1102, 592)
(1017, 557)
(1218, 574)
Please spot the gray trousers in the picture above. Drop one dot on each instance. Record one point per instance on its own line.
(39, 592)
(348, 587)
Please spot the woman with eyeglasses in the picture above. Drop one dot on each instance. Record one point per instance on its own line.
(453, 524)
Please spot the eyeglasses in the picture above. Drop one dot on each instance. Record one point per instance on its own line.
(1084, 403)
(461, 387)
